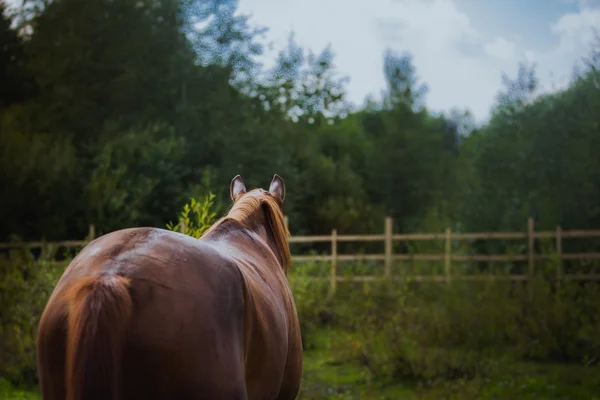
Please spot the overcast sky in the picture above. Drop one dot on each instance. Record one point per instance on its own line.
(460, 47)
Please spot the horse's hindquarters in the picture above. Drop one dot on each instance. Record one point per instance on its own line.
(183, 337)
(186, 339)
(186, 342)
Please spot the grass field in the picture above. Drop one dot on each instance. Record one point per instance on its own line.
(326, 377)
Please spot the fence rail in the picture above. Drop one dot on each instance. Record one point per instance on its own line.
(446, 257)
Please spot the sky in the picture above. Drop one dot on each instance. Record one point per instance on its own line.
(460, 48)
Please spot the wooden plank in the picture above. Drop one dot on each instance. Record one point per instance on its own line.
(489, 257)
(361, 238)
(448, 253)
(339, 257)
(581, 256)
(418, 257)
(333, 260)
(568, 234)
(412, 257)
(544, 234)
(361, 257)
(418, 236)
(309, 239)
(388, 246)
(530, 252)
(426, 278)
(559, 267)
(441, 278)
(580, 234)
(489, 235)
(461, 257)
(311, 258)
(582, 277)
(441, 257)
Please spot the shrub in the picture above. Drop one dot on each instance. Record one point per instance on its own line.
(196, 217)
(312, 298)
(25, 286)
(435, 332)
(559, 325)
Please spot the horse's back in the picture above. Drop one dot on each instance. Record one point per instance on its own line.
(185, 336)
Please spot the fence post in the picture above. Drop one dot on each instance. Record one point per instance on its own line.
(182, 226)
(92, 232)
(333, 276)
(531, 248)
(388, 245)
(559, 267)
(448, 254)
(286, 222)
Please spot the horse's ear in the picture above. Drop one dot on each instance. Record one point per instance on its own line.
(237, 187)
(277, 188)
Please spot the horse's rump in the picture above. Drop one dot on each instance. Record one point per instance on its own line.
(184, 335)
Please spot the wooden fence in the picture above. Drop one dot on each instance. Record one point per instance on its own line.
(447, 257)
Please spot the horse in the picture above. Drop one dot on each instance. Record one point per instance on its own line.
(147, 313)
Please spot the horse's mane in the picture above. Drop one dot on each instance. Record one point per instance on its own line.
(245, 212)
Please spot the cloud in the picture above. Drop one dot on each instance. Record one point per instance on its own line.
(501, 49)
(461, 65)
(575, 34)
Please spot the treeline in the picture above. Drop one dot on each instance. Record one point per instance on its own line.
(117, 112)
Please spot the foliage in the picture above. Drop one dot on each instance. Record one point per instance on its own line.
(8, 392)
(311, 298)
(25, 286)
(437, 335)
(196, 217)
(134, 113)
(304, 87)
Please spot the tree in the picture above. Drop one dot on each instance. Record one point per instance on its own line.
(304, 86)
(403, 85)
(15, 85)
(221, 37)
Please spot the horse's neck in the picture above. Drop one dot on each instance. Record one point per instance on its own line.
(243, 240)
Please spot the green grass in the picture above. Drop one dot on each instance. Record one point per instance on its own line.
(323, 378)
(327, 376)
(8, 392)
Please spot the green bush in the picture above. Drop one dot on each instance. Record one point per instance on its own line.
(25, 286)
(559, 325)
(433, 333)
(311, 297)
(9, 392)
(196, 217)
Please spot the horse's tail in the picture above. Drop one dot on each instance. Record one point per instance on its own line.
(99, 311)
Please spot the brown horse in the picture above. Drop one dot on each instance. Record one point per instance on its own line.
(148, 313)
